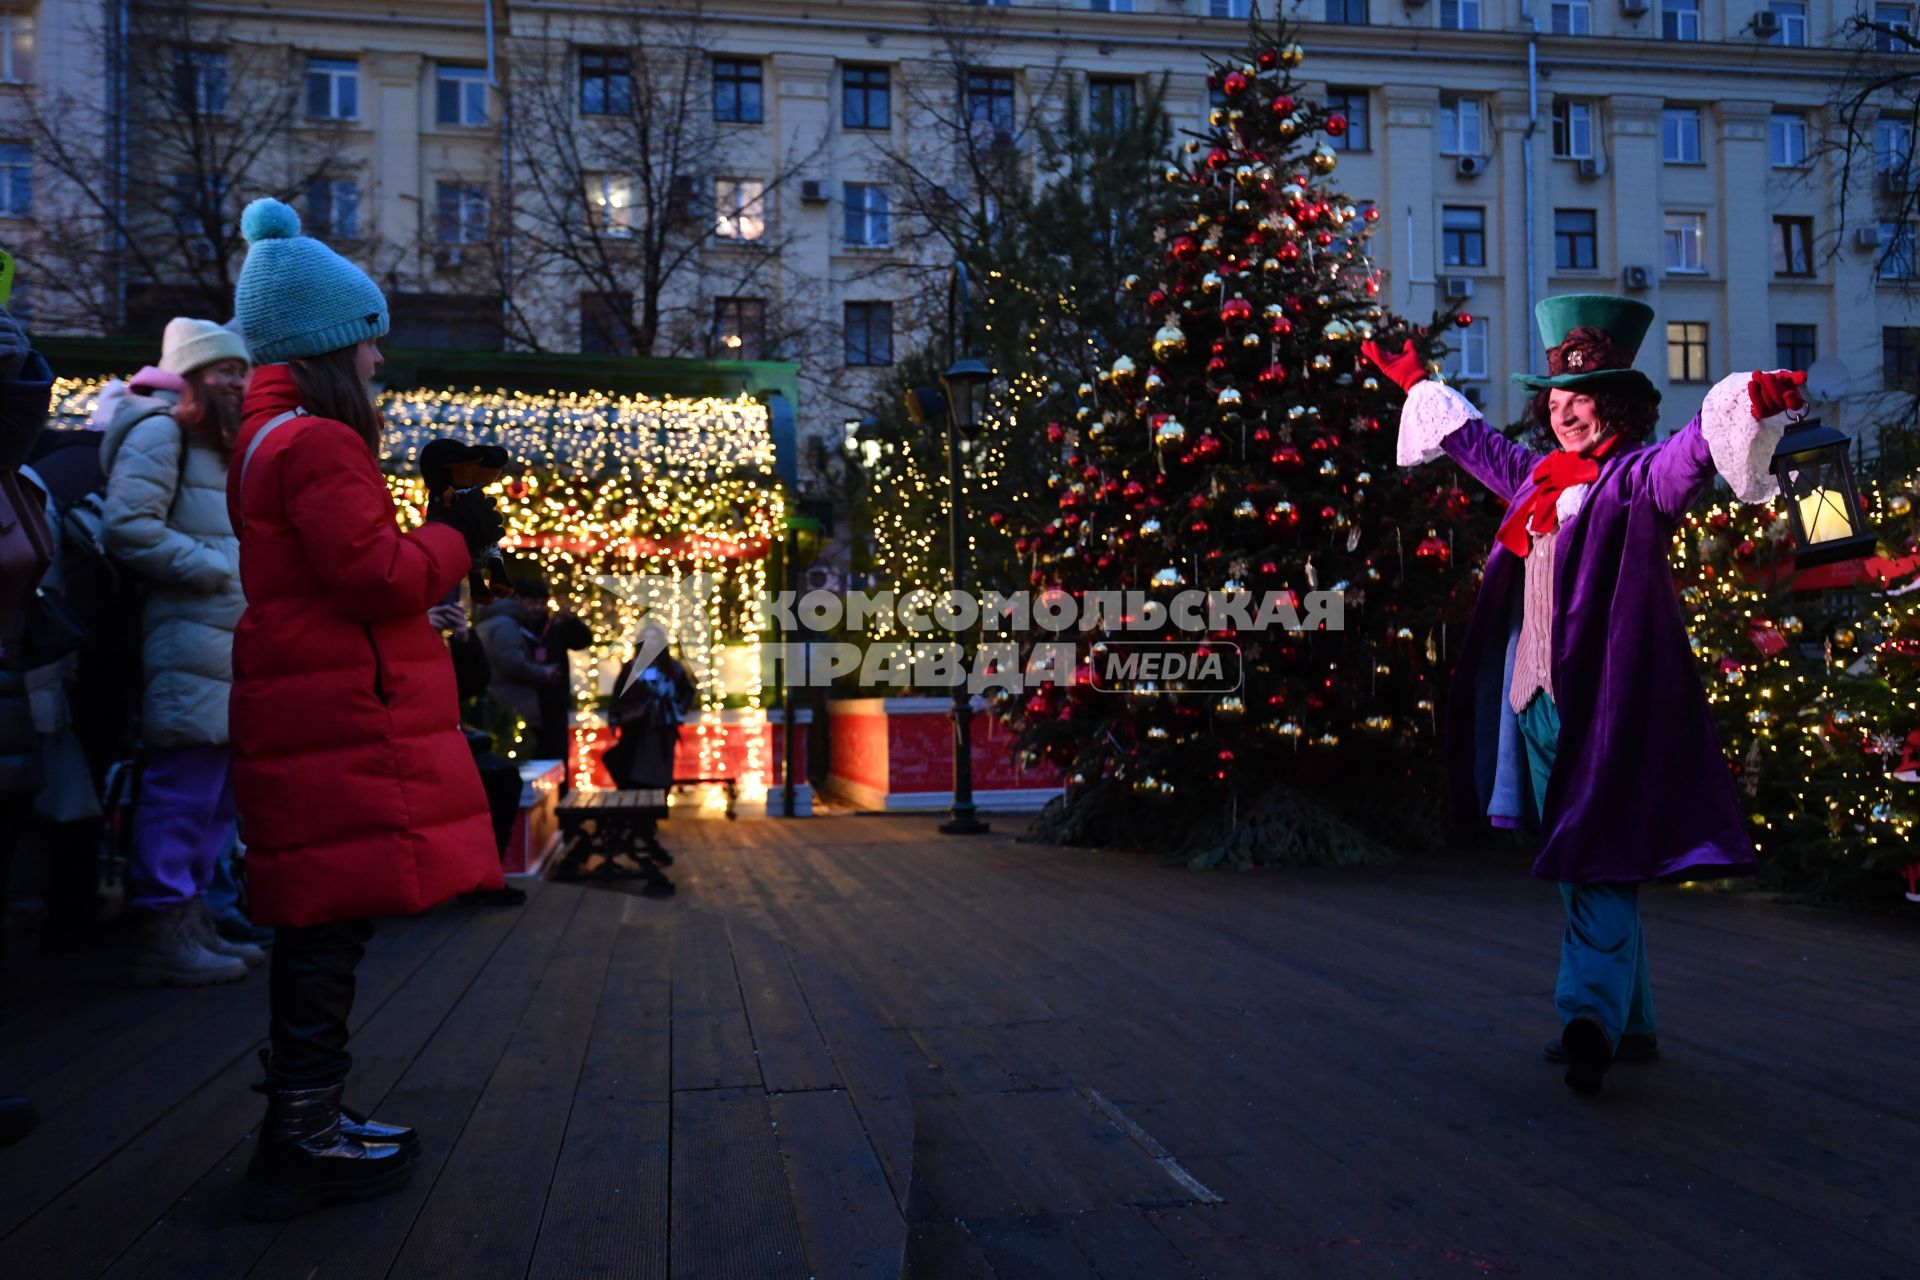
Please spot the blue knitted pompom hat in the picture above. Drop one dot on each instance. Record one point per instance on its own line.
(296, 297)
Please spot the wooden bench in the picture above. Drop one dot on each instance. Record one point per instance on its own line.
(600, 829)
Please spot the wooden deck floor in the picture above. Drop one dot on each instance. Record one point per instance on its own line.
(1023, 1062)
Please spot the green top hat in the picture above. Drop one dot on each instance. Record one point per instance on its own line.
(1624, 320)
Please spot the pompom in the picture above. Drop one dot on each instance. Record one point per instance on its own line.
(268, 219)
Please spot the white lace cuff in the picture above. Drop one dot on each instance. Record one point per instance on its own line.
(1742, 445)
(1433, 412)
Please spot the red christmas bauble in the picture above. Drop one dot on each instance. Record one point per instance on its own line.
(1219, 158)
(1217, 365)
(1156, 300)
(1055, 433)
(1183, 249)
(1280, 326)
(1287, 455)
(1289, 252)
(1433, 551)
(1283, 105)
(1336, 125)
(997, 519)
(1234, 85)
(1269, 59)
(1236, 311)
(1273, 376)
(1463, 321)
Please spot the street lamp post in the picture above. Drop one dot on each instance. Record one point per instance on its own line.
(965, 386)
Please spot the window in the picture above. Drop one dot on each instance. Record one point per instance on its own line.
(606, 324)
(736, 91)
(1900, 358)
(1680, 19)
(1892, 144)
(1463, 236)
(740, 328)
(1793, 345)
(460, 213)
(869, 330)
(1787, 139)
(739, 208)
(16, 46)
(1229, 8)
(1109, 103)
(610, 204)
(446, 321)
(1686, 351)
(869, 216)
(866, 100)
(1468, 361)
(1572, 129)
(1791, 15)
(333, 89)
(200, 81)
(1686, 235)
(460, 95)
(1460, 15)
(606, 83)
(333, 208)
(1896, 251)
(1576, 239)
(1353, 12)
(1896, 21)
(200, 208)
(1110, 6)
(990, 104)
(16, 180)
(1572, 17)
(1680, 135)
(1793, 247)
(1459, 126)
(1351, 103)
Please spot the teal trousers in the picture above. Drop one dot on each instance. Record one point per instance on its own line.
(1603, 952)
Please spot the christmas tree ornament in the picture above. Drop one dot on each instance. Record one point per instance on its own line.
(1169, 341)
(1210, 283)
(1324, 160)
(1899, 506)
(1150, 528)
(1123, 371)
(1168, 578)
(1131, 284)
(1336, 125)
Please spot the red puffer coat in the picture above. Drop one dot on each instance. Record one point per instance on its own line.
(358, 795)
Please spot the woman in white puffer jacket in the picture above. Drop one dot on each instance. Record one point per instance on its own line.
(166, 449)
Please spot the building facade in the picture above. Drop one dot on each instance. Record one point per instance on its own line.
(482, 160)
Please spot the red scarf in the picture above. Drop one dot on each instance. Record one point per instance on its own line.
(1539, 511)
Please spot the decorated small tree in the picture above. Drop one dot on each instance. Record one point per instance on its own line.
(1244, 449)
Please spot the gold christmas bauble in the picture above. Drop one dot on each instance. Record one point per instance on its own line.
(1231, 707)
(1245, 510)
(1131, 284)
(1168, 578)
(1217, 117)
(1270, 265)
(1169, 342)
(1323, 159)
(1791, 625)
(1170, 434)
(1229, 398)
(1844, 637)
(1291, 55)
(1171, 173)
(1899, 505)
(1370, 385)
(1124, 370)
(1338, 331)
(1250, 340)
(1150, 528)
(1322, 362)
(1243, 176)
(1085, 391)
(1153, 383)
(1192, 146)
(1210, 283)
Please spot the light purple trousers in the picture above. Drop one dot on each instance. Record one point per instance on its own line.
(181, 826)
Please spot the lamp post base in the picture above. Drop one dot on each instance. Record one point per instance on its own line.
(964, 825)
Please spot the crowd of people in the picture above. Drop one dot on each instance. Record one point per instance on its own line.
(223, 659)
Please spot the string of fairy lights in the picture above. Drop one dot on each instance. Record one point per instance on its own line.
(629, 506)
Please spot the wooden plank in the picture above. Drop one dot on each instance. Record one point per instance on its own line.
(1123, 1244)
(484, 1213)
(792, 1054)
(108, 1210)
(1033, 1249)
(712, 1047)
(606, 1213)
(733, 1216)
(945, 1251)
(848, 1220)
(436, 1094)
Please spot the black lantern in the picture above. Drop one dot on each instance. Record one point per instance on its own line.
(966, 382)
(1816, 479)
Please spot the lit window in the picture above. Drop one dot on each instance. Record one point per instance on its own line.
(16, 46)
(610, 204)
(740, 328)
(739, 208)
(1687, 351)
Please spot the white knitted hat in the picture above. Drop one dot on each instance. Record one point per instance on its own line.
(190, 344)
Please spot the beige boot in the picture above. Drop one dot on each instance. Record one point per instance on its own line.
(209, 933)
(171, 955)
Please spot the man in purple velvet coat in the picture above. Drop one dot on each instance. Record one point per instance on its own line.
(1576, 707)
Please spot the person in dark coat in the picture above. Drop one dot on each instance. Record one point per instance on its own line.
(511, 630)
(1576, 705)
(648, 707)
(498, 775)
(357, 792)
(26, 549)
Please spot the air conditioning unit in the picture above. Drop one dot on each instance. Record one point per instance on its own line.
(1633, 8)
(813, 191)
(1590, 167)
(1457, 286)
(1896, 182)
(1416, 4)
(446, 257)
(1475, 396)
(1637, 279)
(1867, 237)
(1470, 166)
(1766, 24)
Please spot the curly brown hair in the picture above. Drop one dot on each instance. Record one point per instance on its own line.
(1631, 415)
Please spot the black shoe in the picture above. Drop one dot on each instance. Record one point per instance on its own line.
(657, 852)
(352, 1123)
(1630, 1049)
(305, 1159)
(17, 1119)
(657, 885)
(504, 896)
(1588, 1055)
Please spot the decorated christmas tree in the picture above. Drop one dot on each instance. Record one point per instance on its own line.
(1811, 675)
(1248, 449)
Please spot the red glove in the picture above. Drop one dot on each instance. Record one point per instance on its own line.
(1405, 368)
(1776, 393)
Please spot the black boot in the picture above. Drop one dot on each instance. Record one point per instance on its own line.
(1588, 1055)
(352, 1123)
(304, 1160)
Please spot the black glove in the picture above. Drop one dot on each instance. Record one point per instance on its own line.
(473, 513)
